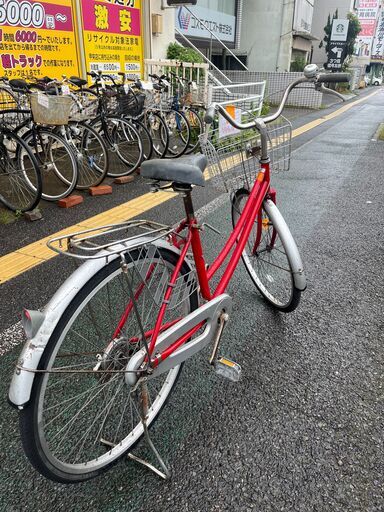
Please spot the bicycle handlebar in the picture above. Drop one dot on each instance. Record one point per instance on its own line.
(333, 78)
(311, 75)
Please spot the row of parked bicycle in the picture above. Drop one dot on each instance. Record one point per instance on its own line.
(58, 135)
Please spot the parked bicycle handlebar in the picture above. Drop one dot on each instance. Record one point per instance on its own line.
(311, 75)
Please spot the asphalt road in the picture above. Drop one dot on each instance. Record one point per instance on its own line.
(303, 430)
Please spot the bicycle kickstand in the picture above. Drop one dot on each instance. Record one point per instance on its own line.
(165, 474)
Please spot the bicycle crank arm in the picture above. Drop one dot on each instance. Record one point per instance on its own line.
(210, 313)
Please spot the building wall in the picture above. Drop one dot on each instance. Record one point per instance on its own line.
(266, 34)
(156, 45)
(320, 17)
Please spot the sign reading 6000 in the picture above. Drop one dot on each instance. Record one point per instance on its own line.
(25, 13)
(37, 38)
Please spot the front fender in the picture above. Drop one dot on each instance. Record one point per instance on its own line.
(28, 362)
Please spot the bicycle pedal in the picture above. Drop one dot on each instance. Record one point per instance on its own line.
(228, 369)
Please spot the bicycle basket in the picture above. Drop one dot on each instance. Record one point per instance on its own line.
(14, 119)
(128, 103)
(85, 110)
(50, 110)
(233, 160)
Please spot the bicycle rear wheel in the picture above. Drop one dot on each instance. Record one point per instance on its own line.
(70, 416)
(20, 178)
(266, 259)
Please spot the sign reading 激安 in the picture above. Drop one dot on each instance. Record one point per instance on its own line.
(112, 38)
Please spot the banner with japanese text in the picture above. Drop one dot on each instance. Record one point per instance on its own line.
(112, 36)
(378, 42)
(37, 38)
(367, 14)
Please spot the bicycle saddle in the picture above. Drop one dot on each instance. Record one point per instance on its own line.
(79, 82)
(187, 170)
(18, 83)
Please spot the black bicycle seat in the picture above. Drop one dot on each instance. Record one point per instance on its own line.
(79, 82)
(187, 170)
(18, 83)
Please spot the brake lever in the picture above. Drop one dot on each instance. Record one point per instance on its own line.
(325, 90)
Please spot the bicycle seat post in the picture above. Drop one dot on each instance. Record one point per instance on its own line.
(186, 191)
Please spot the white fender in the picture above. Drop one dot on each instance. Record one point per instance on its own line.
(288, 243)
(23, 376)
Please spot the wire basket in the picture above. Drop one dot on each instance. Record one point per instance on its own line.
(14, 119)
(122, 103)
(134, 242)
(84, 109)
(51, 110)
(233, 160)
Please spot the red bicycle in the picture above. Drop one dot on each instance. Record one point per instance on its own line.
(105, 353)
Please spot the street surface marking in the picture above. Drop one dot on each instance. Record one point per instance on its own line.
(25, 258)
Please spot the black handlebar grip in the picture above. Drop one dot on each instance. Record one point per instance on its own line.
(334, 77)
(209, 115)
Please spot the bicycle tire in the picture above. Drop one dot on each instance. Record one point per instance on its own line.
(58, 165)
(157, 128)
(18, 170)
(196, 128)
(179, 133)
(123, 143)
(145, 138)
(8, 98)
(35, 419)
(268, 264)
(91, 154)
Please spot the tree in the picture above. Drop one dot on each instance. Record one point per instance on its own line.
(353, 30)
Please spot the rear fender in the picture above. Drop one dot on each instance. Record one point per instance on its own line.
(44, 323)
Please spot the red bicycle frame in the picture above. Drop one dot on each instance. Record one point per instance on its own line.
(238, 237)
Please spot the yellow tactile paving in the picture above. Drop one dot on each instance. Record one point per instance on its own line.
(29, 256)
(25, 258)
(13, 264)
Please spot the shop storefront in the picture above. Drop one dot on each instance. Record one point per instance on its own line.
(220, 16)
(70, 37)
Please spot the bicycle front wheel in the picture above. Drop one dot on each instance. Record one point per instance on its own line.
(57, 162)
(196, 128)
(179, 133)
(266, 260)
(78, 424)
(124, 145)
(91, 154)
(20, 178)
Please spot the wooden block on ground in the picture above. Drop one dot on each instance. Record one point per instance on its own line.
(70, 201)
(101, 190)
(122, 180)
(33, 215)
